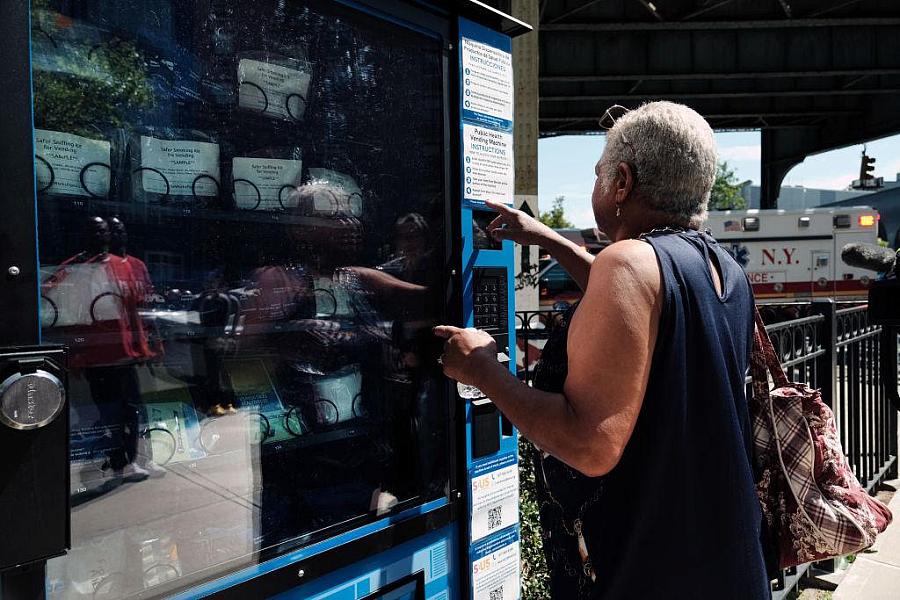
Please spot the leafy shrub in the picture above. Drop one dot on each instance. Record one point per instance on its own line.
(535, 577)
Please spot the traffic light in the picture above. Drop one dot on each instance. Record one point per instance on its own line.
(867, 179)
(867, 168)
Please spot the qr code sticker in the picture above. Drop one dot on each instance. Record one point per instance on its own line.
(495, 519)
(496, 594)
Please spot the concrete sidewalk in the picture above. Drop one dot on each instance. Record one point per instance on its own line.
(875, 574)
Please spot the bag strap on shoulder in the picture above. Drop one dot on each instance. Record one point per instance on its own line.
(764, 360)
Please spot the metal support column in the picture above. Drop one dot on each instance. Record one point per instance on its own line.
(525, 50)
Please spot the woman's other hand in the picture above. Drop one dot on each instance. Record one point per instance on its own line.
(515, 225)
(466, 353)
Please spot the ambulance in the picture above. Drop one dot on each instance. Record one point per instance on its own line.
(797, 253)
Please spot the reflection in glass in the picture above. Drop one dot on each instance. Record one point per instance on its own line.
(241, 241)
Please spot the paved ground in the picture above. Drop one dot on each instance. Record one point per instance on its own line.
(875, 575)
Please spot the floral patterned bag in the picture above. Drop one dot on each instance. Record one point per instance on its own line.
(813, 505)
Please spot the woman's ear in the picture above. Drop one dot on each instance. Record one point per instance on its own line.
(624, 181)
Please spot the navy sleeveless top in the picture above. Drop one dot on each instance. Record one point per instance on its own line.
(678, 517)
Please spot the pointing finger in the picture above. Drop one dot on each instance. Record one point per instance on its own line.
(446, 331)
(501, 208)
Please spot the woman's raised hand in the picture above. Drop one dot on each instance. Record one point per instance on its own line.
(515, 225)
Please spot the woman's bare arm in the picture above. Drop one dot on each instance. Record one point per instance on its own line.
(610, 346)
(512, 224)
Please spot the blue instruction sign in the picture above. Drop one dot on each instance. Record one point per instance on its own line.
(486, 106)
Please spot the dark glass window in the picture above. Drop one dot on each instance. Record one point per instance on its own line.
(241, 219)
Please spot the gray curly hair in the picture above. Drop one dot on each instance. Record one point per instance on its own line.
(673, 153)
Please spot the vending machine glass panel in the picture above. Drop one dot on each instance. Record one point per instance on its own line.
(241, 221)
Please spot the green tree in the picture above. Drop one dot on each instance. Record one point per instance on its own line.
(87, 86)
(556, 216)
(726, 191)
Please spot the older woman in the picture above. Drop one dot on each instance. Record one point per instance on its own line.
(645, 476)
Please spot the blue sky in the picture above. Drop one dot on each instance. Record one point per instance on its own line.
(566, 167)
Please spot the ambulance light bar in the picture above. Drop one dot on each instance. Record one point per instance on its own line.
(867, 220)
(804, 222)
(751, 223)
(842, 221)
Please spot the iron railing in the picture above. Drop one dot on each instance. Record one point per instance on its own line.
(533, 328)
(834, 349)
(865, 415)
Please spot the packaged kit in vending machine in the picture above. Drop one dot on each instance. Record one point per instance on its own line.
(77, 166)
(266, 178)
(174, 166)
(274, 85)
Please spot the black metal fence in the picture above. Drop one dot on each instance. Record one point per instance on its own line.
(834, 348)
(533, 328)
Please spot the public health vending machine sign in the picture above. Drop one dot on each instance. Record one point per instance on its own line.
(486, 89)
(486, 128)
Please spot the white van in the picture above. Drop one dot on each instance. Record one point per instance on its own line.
(797, 254)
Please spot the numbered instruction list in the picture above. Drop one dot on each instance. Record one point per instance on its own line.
(487, 80)
(487, 164)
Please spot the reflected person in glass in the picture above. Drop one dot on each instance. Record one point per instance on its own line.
(406, 288)
(93, 295)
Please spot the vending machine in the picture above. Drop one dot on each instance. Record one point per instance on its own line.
(228, 230)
